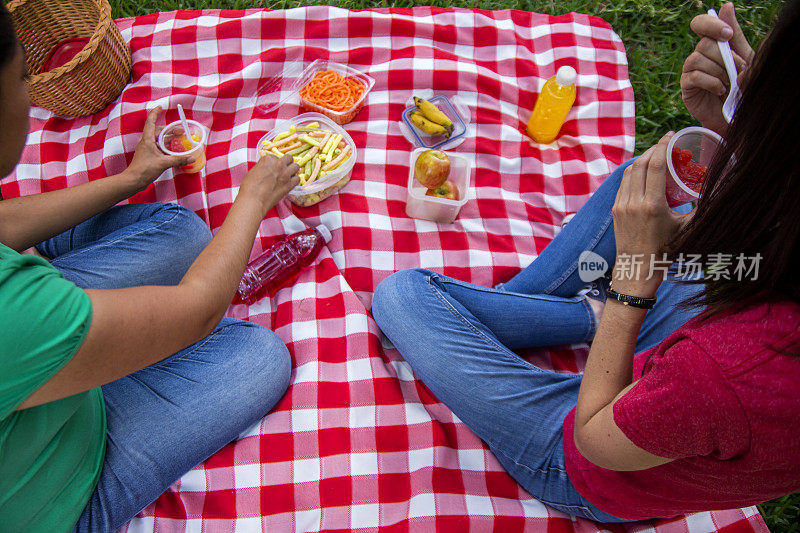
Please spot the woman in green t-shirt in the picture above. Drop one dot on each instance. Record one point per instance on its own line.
(118, 372)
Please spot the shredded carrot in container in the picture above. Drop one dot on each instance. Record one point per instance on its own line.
(330, 90)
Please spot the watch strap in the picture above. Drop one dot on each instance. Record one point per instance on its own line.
(633, 301)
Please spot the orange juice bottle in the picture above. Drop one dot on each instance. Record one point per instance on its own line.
(552, 106)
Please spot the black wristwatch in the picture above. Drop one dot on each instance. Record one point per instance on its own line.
(633, 301)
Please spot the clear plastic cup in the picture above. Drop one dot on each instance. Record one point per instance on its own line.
(703, 144)
(173, 131)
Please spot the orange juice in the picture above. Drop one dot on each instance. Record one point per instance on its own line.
(552, 106)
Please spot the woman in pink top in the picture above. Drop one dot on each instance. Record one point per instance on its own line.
(689, 400)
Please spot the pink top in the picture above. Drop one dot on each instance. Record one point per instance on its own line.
(721, 399)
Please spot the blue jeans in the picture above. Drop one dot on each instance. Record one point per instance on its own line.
(165, 419)
(458, 337)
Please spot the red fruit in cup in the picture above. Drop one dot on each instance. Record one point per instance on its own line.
(432, 168)
(447, 190)
(687, 170)
(181, 143)
(683, 156)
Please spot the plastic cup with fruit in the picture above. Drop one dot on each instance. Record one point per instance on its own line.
(173, 140)
(689, 153)
(438, 185)
(324, 152)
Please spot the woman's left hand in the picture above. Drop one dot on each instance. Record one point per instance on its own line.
(149, 162)
(643, 222)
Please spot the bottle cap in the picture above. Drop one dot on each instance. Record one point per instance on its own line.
(566, 75)
(325, 232)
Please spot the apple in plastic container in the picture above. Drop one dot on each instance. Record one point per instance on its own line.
(447, 190)
(432, 168)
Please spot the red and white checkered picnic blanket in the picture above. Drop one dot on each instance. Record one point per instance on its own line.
(358, 443)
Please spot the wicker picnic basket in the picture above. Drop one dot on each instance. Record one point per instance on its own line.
(95, 76)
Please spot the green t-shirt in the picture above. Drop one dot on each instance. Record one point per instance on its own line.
(50, 455)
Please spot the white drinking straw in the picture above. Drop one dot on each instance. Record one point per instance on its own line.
(186, 126)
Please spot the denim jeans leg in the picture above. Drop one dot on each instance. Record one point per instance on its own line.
(524, 320)
(456, 336)
(555, 270)
(129, 245)
(538, 307)
(512, 405)
(167, 418)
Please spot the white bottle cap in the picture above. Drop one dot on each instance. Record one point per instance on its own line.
(325, 232)
(566, 76)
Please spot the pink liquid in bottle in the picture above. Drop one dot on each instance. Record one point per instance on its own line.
(280, 263)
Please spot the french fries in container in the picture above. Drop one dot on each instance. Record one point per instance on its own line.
(323, 150)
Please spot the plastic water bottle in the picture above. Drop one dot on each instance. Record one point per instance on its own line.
(281, 262)
(552, 106)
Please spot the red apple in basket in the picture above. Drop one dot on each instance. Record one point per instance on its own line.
(432, 168)
(447, 190)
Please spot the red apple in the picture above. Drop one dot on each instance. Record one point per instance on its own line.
(432, 168)
(447, 190)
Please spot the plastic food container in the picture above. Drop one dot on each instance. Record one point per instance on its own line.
(320, 189)
(281, 87)
(444, 210)
(342, 117)
(425, 140)
(175, 129)
(703, 144)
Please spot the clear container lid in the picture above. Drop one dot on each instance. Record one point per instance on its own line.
(277, 87)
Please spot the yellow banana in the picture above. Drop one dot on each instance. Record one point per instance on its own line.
(433, 113)
(429, 127)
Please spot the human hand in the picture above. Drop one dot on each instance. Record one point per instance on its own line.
(704, 80)
(270, 179)
(149, 162)
(643, 222)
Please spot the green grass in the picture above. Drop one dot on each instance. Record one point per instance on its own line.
(657, 39)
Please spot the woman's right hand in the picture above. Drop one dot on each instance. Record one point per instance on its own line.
(270, 179)
(704, 80)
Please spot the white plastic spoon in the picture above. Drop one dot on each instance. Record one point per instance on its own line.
(186, 129)
(729, 107)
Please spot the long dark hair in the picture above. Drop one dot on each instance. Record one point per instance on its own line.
(750, 202)
(8, 37)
